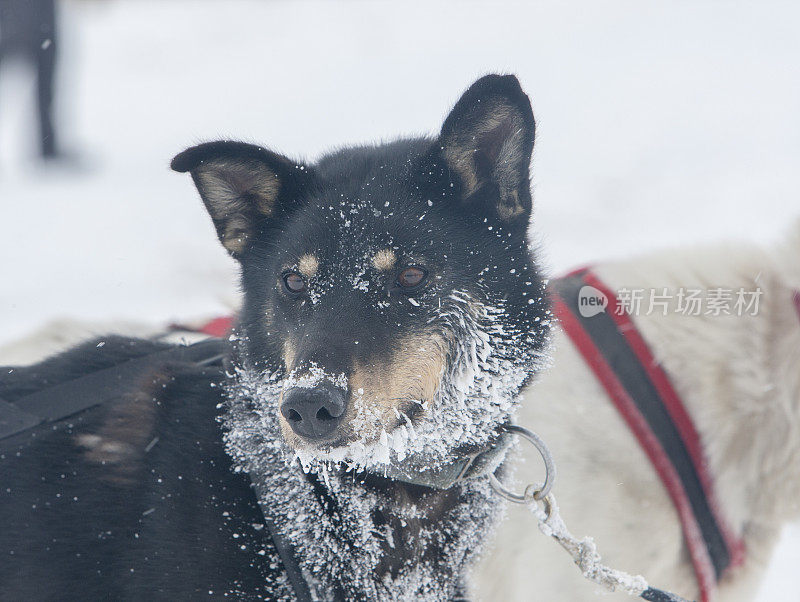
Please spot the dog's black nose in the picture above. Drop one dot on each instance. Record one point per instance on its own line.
(314, 413)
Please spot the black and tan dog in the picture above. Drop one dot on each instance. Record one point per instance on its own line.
(392, 313)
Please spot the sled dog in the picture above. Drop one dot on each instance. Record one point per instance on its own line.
(392, 312)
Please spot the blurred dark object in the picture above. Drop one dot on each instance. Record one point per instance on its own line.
(28, 30)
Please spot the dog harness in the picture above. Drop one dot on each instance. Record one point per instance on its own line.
(55, 403)
(642, 392)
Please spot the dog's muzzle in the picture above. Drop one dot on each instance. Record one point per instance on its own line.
(314, 413)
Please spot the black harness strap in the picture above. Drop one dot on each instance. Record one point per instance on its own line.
(285, 549)
(13, 420)
(61, 401)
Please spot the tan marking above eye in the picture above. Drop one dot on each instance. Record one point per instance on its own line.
(384, 260)
(308, 265)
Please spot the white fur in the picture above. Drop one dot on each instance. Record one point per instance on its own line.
(739, 378)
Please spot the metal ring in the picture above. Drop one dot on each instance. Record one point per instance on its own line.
(533, 492)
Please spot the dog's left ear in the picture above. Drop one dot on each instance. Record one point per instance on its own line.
(486, 143)
(244, 188)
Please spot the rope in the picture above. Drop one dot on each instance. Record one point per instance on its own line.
(584, 554)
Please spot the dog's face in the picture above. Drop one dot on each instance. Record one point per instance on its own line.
(388, 286)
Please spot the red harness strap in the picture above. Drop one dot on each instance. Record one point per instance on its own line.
(217, 327)
(643, 394)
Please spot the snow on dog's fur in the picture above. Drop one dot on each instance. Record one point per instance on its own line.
(739, 377)
(401, 377)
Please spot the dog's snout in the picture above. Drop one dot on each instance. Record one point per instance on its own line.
(314, 413)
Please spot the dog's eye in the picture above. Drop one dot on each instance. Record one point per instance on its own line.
(411, 277)
(294, 282)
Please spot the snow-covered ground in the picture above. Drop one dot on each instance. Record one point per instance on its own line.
(658, 124)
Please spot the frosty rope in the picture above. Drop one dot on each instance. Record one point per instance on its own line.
(583, 551)
(584, 554)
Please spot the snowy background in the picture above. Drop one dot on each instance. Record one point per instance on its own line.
(658, 124)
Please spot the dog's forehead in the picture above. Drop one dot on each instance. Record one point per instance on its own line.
(350, 236)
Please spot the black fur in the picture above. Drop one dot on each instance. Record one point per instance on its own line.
(170, 520)
(149, 522)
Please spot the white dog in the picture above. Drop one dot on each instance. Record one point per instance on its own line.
(739, 380)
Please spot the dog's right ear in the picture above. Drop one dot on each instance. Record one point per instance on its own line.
(486, 143)
(243, 186)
